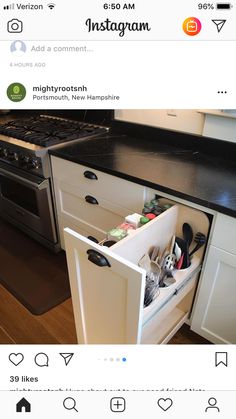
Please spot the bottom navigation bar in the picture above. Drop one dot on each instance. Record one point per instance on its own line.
(128, 404)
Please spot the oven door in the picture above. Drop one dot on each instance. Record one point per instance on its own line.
(27, 202)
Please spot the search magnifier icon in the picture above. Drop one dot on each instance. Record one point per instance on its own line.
(70, 404)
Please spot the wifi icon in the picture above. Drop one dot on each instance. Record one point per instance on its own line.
(51, 5)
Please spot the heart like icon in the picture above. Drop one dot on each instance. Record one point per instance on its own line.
(165, 404)
(16, 359)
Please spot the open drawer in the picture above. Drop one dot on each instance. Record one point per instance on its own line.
(108, 286)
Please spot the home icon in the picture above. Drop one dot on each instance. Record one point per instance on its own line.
(23, 406)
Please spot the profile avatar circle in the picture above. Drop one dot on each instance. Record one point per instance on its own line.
(18, 48)
(16, 92)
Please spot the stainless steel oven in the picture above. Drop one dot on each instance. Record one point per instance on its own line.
(25, 200)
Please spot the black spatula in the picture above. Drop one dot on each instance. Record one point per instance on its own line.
(200, 239)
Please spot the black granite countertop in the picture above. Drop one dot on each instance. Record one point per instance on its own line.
(185, 172)
(191, 167)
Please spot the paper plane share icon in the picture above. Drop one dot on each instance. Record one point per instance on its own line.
(219, 23)
(67, 357)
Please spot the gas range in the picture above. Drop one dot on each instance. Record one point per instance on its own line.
(24, 142)
(26, 197)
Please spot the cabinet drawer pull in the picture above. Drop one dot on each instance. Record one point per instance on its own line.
(90, 175)
(97, 258)
(91, 200)
(93, 239)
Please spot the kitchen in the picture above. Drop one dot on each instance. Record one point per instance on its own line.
(182, 160)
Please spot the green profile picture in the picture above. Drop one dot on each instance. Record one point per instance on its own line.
(16, 92)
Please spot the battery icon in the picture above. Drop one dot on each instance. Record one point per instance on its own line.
(223, 6)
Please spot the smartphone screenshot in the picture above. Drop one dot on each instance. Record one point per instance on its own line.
(117, 209)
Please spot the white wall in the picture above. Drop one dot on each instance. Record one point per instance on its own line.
(220, 127)
(185, 120)
(209, 123)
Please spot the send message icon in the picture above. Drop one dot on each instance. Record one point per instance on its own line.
(192, 26)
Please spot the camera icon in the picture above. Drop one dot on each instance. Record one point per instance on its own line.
(15, 26)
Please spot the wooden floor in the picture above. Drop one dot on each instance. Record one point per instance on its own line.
(187, 337)
(18, 325)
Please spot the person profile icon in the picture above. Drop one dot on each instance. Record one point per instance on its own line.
(212, 405)
(18, 48)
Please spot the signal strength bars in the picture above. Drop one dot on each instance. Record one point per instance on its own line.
(9, 7)
(12, 6)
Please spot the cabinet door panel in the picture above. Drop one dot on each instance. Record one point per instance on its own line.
(223, 236)
(107, 300)
(215, 309)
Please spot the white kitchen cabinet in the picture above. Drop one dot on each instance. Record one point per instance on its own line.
(108, 299)
(214, 314)
(91, 202)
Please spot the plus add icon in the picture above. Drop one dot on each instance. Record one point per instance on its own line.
(117, 404)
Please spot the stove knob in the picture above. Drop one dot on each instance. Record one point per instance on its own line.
(23, 160)
(33, 164)
(11, 156)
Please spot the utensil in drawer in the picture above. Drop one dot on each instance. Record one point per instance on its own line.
(181, 243)
(153, 273)
(184, 250)
(169, 262)
(177, 251)
(144, 262)
(187, 233)
(188, 237)
(170, 247)
(200, 239)
(172, 244)
(151, 289)
(150, 266)
(168, 280)
(180, 262)
(153, 252)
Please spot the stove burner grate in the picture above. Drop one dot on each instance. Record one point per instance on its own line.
(45, 131)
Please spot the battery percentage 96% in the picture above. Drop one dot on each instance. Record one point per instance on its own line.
(206, 6)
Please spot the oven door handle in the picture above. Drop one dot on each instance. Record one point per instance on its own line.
(23, 181)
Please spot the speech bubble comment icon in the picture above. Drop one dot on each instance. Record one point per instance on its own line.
(41, 359)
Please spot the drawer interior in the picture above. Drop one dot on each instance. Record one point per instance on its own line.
(108, 301)
(159, 232)
(162, 327)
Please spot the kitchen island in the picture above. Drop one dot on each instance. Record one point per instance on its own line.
(194, 171)
(187, 172)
